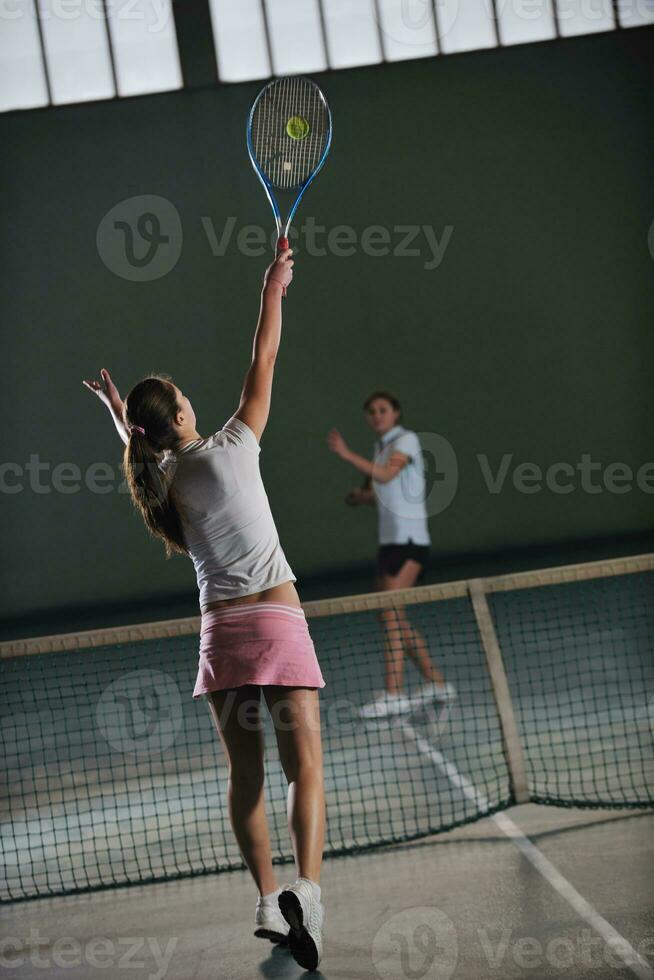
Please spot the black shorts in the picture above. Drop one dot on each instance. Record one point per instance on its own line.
(391, 557)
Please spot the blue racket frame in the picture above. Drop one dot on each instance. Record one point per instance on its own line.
(282, 229)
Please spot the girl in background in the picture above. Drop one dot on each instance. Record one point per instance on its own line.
(395, 482)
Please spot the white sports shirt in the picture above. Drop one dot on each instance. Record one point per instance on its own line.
(402, 515)
(226, 518)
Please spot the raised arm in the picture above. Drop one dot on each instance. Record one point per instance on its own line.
(254, 406)
(381, 474)
(108, 394)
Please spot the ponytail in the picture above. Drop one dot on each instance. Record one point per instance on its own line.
(149, 415)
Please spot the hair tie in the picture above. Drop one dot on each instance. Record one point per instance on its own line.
(136, 428)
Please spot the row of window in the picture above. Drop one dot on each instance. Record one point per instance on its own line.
(61, 51)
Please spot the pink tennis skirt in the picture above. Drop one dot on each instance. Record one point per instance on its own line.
(256, 643)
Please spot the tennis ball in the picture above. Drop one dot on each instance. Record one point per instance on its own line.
(297, 128)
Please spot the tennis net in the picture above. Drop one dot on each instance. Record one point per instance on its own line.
(115, 775)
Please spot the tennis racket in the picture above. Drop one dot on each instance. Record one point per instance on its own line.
(289, 133)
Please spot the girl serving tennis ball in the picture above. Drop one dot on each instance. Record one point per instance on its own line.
(204, 497)
(395, 482)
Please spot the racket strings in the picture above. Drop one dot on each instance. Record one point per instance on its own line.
(289, 131)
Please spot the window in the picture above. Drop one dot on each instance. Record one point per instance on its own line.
(61, 51)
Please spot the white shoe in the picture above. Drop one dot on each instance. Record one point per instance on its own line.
(385, 705)
(436, 692)
(269, 923)
(305, 915)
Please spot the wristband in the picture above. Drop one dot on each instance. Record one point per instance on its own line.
(278, 281)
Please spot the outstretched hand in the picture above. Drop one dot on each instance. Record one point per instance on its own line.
(337, 443)
(106, 391)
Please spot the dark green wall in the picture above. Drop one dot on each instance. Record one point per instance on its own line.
(533, 337)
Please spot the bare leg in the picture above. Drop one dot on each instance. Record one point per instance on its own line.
(393, 651)
(402, 636)
(237, 717)
(296, 716)
(417, 649)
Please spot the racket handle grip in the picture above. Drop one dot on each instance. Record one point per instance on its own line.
(282, 244)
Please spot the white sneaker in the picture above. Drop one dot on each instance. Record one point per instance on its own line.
(385, 705)
(269, 923)
(305, 915)
(436, 692)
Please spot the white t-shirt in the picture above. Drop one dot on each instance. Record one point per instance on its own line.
(226, 518)
(401, 511)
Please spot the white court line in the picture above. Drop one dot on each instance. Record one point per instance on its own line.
(618, 944)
